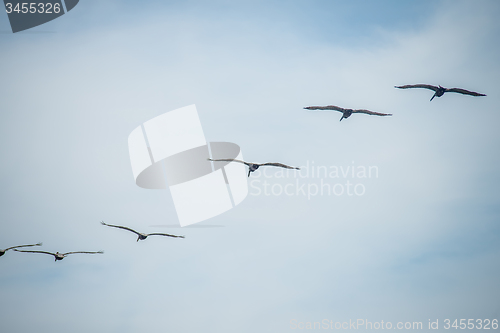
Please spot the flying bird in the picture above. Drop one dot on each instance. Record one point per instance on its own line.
(60, 256)
(439, 91)
(346, 113)
(2, 252)
(254, 166)
(140, 235)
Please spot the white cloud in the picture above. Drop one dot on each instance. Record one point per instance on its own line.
(382, 255)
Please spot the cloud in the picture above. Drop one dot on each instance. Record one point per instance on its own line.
(403, 251)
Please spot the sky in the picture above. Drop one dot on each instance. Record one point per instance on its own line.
(422, 242)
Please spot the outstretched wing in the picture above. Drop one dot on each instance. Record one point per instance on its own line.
(426, 86)
(371, 112)
(279, 165)
(15, 247)
(465, 92)
(161, 234)
(328, 108)
(44, 252)
(229, 160)
(120, 227)
(98, 252)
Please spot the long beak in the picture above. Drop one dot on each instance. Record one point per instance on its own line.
(342, 117)
(433, 96)
(138, 239)
(249, 172)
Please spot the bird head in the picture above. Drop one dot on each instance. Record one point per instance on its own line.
(253, 167)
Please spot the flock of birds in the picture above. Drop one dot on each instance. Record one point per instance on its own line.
(60, 256)
(346, 113)
(438, 92)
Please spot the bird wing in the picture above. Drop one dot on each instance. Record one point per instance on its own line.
(161, 234)
(328, 107)
(97, 252)
(371, 112)
(426, 86)
(465, 92)
(44, 252)
(14, 247)
(121, 227)
(279, 165)
(229, 160)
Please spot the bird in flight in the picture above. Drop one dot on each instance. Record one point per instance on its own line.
(254, 166)
(439, 91)
(140, 235)
(2, 252)
(346, 113)
(60, 256)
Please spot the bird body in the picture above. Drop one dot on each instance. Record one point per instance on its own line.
(140, 235)
(346, 113)
(254, 166)
(61, 256)
(439, 90)
(2, 252)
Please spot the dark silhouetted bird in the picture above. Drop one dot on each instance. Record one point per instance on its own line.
(60, 256)
(439, 91)
(346, 113)
(2, 252)
(254, 166)
(140, 235)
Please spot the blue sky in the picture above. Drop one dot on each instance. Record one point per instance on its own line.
(420, 244)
